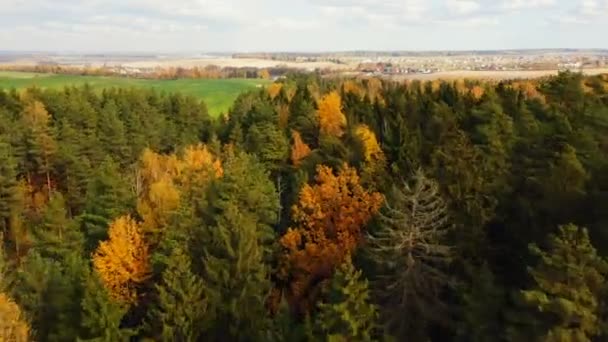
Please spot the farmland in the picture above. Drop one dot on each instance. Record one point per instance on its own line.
(217, 94)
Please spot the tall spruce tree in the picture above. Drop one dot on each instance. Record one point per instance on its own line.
(569, 280)
(179, 311)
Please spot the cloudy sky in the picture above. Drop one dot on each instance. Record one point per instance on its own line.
(300, 25)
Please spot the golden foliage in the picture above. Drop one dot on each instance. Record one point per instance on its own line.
(460, 86)
(372, 150)
(163, 177)
(157, 204)
(477, 92)
(331, 118)
(352, 87)
(13, 326)
(586, 88)
(198, 158)
(274, 89)
(530, 90)
(35, 114)
(329, 218)
(374, 90)
(299, 150)
(264, 74)
(122, 261)
(435, 85)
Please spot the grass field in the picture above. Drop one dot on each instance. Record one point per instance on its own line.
(217, 94)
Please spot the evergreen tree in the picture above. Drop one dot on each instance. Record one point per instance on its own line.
(347, 314)
(8, 187)
(236, 279)
(569, 280)
(57, 235)
(180, 307)
(108, 197)
(101, 317)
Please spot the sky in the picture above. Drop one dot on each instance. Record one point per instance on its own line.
(300, 25)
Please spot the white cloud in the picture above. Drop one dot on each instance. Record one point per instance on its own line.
(463, 6)
(527, 4)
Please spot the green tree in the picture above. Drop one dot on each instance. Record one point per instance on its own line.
(108, 197)
(101, 317)
(347, 314)
(236, 279)
(8, 187)
(57, 236)
(569, 279)
(179, 310)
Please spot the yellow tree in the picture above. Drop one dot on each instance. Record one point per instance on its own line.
(371, 148)
(331, 117)
(352, 87)
(477, 92)
(274, 89)
(299, 150)
(13, 326)
(264, 74)
(122, 261)
(329, 218)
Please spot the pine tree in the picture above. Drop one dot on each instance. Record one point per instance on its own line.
(8, 187)
(569, 280)
(57, 235)
(180, 308)
(347, 314)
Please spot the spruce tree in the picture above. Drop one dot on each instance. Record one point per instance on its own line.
(347, 314)
(180, 306)
(236, 279)
(101, 317)
(569, 279)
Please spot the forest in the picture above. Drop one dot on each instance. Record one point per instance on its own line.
(317, 209)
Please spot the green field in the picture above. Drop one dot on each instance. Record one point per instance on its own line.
(217, 94)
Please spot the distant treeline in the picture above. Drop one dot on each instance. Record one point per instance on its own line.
(165, 73)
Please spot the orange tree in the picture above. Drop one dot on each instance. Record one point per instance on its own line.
(329, 218)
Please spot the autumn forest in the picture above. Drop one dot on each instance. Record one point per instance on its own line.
(317, 209)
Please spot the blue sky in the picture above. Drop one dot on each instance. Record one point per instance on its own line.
(300, 25)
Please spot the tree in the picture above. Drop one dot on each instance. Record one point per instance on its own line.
(122, 261)
(108, 197)
(483, 303)
(347, 314)
(299, 150)
(411, 255)
(371, 147)
(264, 74)
(13, 326)
(329, 221)
(179, 311)
(236, 278)
(569, 279)
(41, 145)
(101, 316)
(57, 236)
(8, 186)
(331, 119)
